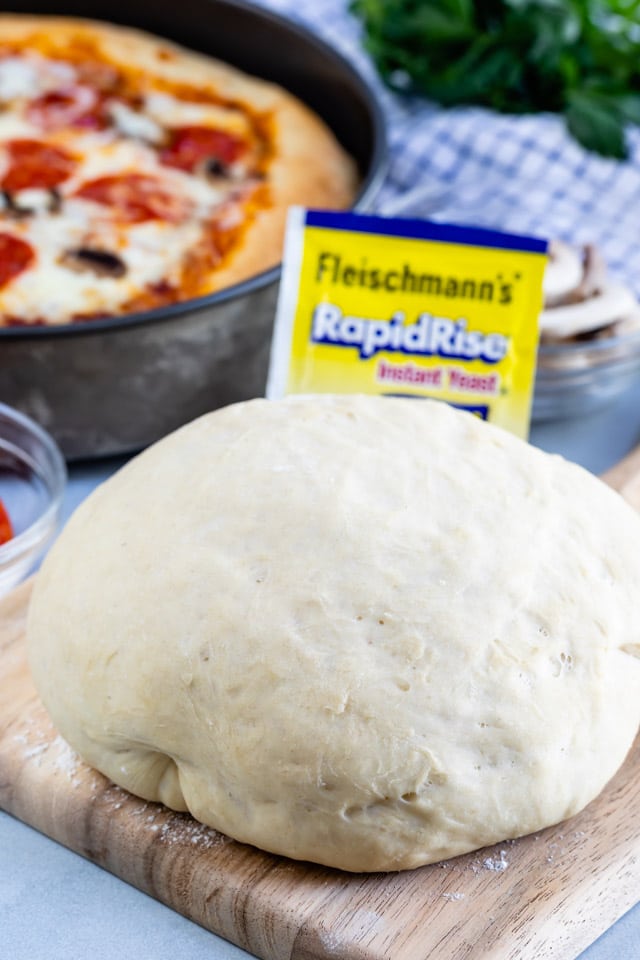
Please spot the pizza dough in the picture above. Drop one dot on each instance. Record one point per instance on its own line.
(367, 632)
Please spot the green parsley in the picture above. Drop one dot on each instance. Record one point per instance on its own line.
(579, 58)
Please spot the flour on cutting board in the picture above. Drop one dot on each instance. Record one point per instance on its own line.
(361, 923)
(167, 826)
(182, 829)
(43, 745)
(497, 864)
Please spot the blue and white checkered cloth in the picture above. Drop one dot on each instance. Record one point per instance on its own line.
(523, 174)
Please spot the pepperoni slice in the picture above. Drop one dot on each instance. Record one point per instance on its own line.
(15, 256)
(77, 106)
(134, 198)
(190, 146)
(35, 164)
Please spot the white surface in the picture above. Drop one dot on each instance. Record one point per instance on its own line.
(56, 906)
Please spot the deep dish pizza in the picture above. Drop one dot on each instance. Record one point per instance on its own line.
(135, 173)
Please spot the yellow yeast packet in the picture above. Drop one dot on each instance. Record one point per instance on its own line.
(409, 308)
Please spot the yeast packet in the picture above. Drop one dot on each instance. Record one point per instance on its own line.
(409, 308)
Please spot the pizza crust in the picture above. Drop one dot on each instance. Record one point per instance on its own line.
(368, 632)
(308, 165)
(295, 178)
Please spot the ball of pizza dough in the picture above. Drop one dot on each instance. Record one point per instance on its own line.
(367, 632)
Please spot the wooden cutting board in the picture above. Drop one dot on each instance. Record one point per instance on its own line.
(548, 895)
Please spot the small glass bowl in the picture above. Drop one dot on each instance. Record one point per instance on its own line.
(580, 376)
(32, 482)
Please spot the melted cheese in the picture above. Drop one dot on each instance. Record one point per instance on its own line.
(171, 112)
(152, 252)
(132, 123)
(29, 76)
(18, 78)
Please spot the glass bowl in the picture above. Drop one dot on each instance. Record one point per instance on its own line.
(32, 482)
(580, 376)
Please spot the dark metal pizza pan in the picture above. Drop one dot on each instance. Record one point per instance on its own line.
(114, 386)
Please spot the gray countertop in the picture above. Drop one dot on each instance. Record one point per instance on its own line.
(56, 906)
